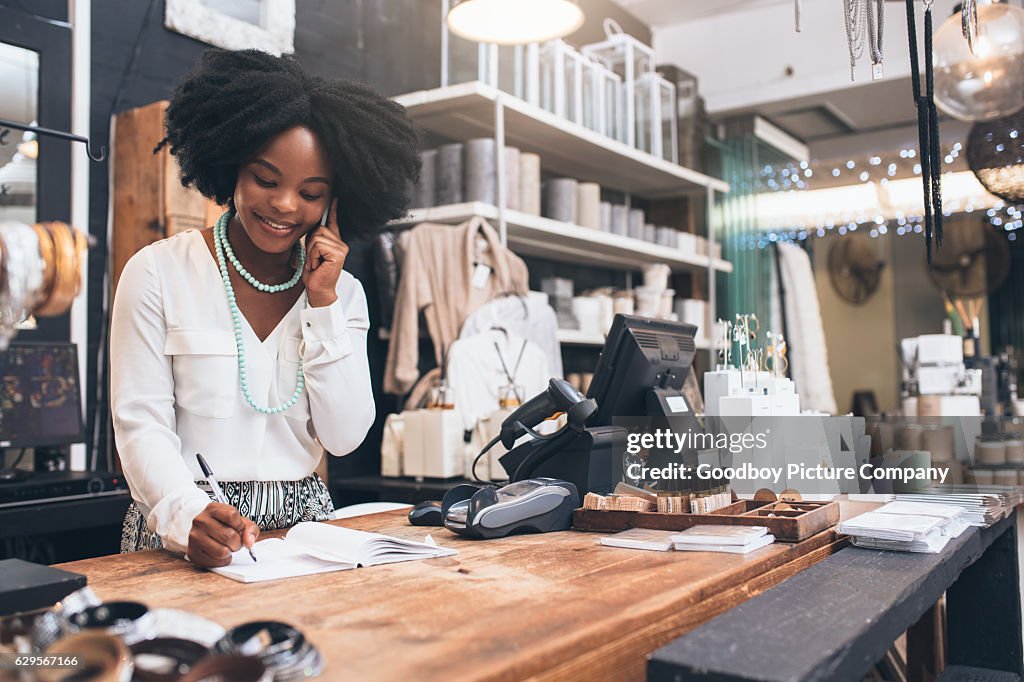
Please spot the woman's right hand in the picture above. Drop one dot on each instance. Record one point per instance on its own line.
(218, 531)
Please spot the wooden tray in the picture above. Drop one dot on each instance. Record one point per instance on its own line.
(800, 521)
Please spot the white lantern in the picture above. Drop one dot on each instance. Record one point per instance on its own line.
(629, 58)
(656, 131)
(561, 80)
(602, 100)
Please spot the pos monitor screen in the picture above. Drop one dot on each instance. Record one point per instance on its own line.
(40, 403)
(642, 369)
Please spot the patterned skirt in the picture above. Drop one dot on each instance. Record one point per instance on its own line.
(271, 505)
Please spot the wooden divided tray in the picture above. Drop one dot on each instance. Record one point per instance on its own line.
(787, 521)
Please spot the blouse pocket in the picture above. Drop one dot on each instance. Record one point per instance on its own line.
(205, 367)
(287, 376)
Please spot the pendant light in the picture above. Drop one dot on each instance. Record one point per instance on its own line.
(514, 22)
(987, 83)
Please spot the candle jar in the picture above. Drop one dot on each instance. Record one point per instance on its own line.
(510, 395)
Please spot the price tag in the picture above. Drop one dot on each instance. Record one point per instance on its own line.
(876, 71)
(481, 273)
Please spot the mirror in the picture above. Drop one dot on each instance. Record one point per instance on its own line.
(19, 81)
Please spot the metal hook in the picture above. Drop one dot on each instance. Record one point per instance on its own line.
(58, 134)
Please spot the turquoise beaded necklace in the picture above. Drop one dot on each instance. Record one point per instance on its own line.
(220, 243)
(247, 276)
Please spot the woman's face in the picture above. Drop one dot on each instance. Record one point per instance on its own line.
(282, 192)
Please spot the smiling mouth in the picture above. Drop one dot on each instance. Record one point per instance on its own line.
(279, 227)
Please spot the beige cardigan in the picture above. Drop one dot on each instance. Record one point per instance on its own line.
(437, 279)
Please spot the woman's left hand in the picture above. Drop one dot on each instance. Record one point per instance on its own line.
(325, 256)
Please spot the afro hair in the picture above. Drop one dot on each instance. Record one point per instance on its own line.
(233, 103)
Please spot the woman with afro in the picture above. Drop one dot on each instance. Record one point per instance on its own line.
(246, 341)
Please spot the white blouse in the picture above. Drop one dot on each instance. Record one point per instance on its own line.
(174, 386)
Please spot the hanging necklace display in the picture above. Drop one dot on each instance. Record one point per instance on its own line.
(969, 23)
(725, 344)
(776, 352)
(511, 391)
(864, 20)
(797, 9)
(927, 127)
(220, 240)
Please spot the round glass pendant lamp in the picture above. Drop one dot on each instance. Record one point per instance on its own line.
(995, 152)
(514, 22)
(988, 83)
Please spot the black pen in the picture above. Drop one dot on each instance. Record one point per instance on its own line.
(218, 494)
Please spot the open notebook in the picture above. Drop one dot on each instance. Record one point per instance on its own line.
(321, 548)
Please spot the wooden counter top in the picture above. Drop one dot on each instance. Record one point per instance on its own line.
(555, 606)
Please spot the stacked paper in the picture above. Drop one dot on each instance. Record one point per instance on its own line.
(731, 539)
(906, 526)
(705, 538)
(982, 505)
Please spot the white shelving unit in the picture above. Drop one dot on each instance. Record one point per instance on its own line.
(542, 237)
(467, 110)
(471, 110)
(574, 337)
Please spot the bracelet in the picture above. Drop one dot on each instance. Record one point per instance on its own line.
(229, 668)
(165, 659)
(65, 287)
(104, 656)
(129, 620)
(46, 251)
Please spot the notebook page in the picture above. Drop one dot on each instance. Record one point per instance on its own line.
(277, 559)
(326, 540)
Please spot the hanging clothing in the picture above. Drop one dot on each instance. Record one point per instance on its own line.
(531, 317)
(447, 277)
(477, 370)
(174, 384)
(805, 331)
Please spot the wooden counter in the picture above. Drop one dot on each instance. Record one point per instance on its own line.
(555, 606)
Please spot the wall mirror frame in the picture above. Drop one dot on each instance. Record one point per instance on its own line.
(267, 25)
(51, 40)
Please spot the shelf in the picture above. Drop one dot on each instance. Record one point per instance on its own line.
(532, 235)
(465, 111)
(574, 337)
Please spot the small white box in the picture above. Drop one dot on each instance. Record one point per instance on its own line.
(750, 405)
(940, 349)
(687, 242)
(433, 444)
(779, 385)
(784, 404)
(941, 380)
(719, 384)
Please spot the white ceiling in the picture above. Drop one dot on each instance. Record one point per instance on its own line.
(664, 12)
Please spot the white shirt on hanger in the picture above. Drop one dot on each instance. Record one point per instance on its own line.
(475, 372)
(530, 316)
(174, 386)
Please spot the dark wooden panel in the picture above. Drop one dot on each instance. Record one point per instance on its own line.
(834, 620)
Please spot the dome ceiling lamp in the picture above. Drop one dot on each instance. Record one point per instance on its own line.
(514, 22)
